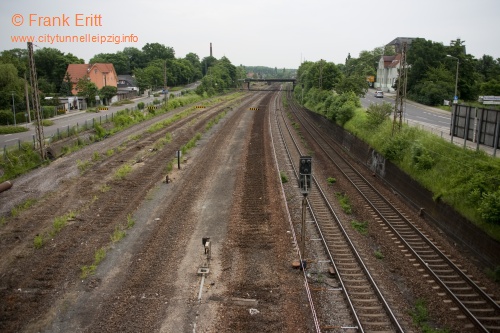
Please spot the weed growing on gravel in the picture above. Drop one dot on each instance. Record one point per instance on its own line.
(331, 180)
(96, 156)
(215, 121)
(361, 227)
(123, 171)
(170, 165)
(420, 317)
(57, 225)
(378, 254)
(344, 202)
(130, 221)
(60, 222)
(90, 269)
(38, 241)
(118, 235)
(83, 165)
(21, 207)
(105, 188)
(284, 177)
(134, 137)
(110, 152)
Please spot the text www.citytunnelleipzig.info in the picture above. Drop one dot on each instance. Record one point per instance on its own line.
(84, 38)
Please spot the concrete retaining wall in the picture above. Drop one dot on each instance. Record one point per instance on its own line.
(455, 226)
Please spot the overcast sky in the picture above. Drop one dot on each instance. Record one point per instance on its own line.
(273, 33)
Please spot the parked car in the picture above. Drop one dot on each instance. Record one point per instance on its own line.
(379, 94)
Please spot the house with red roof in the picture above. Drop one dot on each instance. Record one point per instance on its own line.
(101, 74)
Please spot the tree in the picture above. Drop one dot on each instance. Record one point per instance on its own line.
(354, 83)
(119, 60)
(66, 86)
(87, 89)
(10, 84)
(421, 56)
(157, 51)
(437, 85)
(136, 58)
(106, 93)
(51, 64)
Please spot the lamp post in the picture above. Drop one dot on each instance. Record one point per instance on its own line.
(455, 98)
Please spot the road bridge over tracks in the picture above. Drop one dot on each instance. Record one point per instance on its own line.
(269, 81)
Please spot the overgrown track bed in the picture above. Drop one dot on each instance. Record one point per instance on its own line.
(365, 307)
(32, 280)
(256, 253)
(479, 310)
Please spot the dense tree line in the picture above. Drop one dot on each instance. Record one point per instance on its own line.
(153, 67)
(432, 73)
(431, 76)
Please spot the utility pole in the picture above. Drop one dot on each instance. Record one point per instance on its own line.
(27, 98)
(40, 139)
(400, 92)
(165, 90)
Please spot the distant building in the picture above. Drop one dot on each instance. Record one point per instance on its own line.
(387, 72)
(127, 87)
(388, 66)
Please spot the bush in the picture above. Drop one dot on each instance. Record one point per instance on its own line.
(6, 117)
(378, 113)
(140, 105)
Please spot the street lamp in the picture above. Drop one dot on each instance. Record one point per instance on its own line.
(455, 99)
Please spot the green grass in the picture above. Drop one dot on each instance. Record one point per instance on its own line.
(22, 207)
(331, 180)
(378, 254)
(89, 270)
(38, 241)
(12, 129)
(123, 171)
(96, 156)
(284, 177)
(57, 225)
(118, 235)
(47, 122)
(420, 318)
(467, 180)
(130, 221)
(83, 165)
(360, 226)
(344, 202)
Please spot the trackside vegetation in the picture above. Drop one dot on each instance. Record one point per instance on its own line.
(467, 180)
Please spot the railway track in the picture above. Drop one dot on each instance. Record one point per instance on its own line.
(477, 306)
(368, 310)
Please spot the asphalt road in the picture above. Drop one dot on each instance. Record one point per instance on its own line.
(414, 112)
(73, 118)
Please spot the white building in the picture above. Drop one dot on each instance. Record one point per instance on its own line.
(387, 72)
(388, 66)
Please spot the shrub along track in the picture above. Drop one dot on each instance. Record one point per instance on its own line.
(33, 279)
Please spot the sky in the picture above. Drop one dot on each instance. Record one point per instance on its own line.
(273, 33)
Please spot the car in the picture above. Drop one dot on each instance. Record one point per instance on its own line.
(379, 94)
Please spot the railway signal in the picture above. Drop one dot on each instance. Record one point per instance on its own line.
(305, 168)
